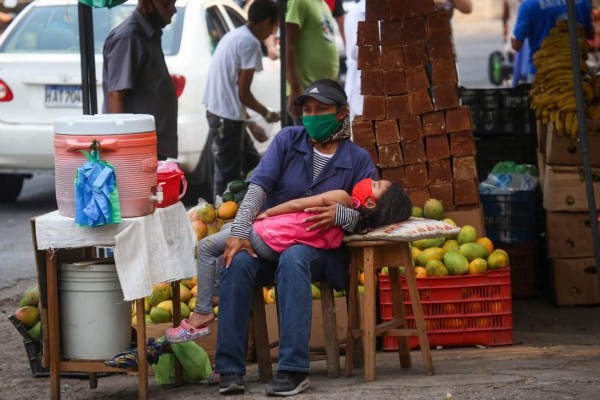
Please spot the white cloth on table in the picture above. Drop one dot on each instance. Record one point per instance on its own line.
(150, 249)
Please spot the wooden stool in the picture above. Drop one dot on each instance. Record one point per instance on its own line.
(369, 255)
(261, 336)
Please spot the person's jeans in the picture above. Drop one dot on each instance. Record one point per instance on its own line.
(234, 153)
(293, 279)
(210, 250)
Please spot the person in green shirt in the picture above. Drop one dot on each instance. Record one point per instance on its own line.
(311, 53)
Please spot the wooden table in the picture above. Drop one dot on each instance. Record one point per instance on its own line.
(370, 255)
(47, 262)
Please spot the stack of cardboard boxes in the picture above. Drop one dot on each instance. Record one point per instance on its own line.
(568, 225)
(412, 123)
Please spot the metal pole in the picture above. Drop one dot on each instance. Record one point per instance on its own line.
(88, 62)
(282, 63)
(582, 130)
(82, 51)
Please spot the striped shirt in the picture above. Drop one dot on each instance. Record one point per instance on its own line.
(256, 196)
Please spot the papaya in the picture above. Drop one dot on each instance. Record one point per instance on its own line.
(472, 251)
(433, 209)
(456, 263)
(28, 316)
(423, 244)
(432, 253)
(31, 297)
(237, 186)
(467, 234)
(436, 268)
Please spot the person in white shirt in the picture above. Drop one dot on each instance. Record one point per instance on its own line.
(227, 95)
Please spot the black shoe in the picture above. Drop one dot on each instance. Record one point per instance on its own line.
(287, 383)
(231, 384)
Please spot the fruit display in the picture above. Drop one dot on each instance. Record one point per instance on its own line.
(552, 91)
(158, 307)
(28, 313)
(465, 254)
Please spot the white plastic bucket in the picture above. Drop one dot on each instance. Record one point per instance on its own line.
(95, 320)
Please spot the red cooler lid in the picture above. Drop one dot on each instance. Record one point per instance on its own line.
(104, 124)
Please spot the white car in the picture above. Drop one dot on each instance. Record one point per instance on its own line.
(40, 79)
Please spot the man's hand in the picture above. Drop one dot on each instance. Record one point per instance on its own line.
(235, 245)
(324, 217)
(257, 131)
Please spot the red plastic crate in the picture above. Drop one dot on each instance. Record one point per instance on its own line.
(459, 310)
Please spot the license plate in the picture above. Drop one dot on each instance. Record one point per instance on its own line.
(63, 96)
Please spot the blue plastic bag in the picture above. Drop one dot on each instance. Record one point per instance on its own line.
(96, 193)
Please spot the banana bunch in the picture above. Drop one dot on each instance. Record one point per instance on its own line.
(552, 92)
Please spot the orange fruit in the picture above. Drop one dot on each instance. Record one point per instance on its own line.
(421, 272)
(361, 278)
(227, 210)
(487, 243)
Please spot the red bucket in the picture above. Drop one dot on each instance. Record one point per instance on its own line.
(172, 182)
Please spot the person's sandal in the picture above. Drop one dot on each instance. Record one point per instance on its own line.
(185, 332)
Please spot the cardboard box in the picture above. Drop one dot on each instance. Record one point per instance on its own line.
(565, 188)
(317, 339)
(563, 150)
(569, 235)
(575, 281)
(472, 217)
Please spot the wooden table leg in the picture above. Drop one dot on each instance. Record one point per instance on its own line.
(369, 314)
(398, 307)
(332, 349)
(175, 289)
(54, 353)
(413, 291)
(141, 346)
(352, 299)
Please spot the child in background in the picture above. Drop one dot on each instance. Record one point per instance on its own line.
(380, 203)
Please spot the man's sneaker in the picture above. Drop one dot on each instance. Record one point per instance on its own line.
(287, 383)
(231, 384)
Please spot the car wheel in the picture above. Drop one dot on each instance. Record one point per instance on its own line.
(11, 187)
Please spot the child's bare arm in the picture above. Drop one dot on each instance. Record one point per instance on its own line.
(297, 205)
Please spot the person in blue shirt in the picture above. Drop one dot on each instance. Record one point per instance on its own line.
(301, 161)
(537, 17)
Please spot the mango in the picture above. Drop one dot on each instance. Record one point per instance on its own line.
(433, 209)
(216, 311)
(339, 293)
(185, 294)
(456, 263)
(450, 221)
(487, 243)
(432, 253)
(227, 210)
(35, 332)
(436, 268)
(423, 244)
(450, 244)
(31, 297)
(498, 259)
(192, 303)
(166, 305)
(472, 251)
(420, 272)
(414, 253)
(417, 212)
(185, 310)
(147, 320)
(159, 315)
(200, 228)
(190, 283)
(467, 234)
(160, 292)
(316, 292)
(478, 266)
(28, 315)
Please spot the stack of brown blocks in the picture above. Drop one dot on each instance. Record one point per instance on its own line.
(412, 124)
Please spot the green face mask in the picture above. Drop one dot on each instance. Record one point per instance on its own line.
(320, 127)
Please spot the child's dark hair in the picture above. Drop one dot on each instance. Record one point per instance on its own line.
(393, 206)
(263, 9)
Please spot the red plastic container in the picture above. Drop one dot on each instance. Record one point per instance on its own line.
(459, 310)
(173, 185)
(127, 141)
